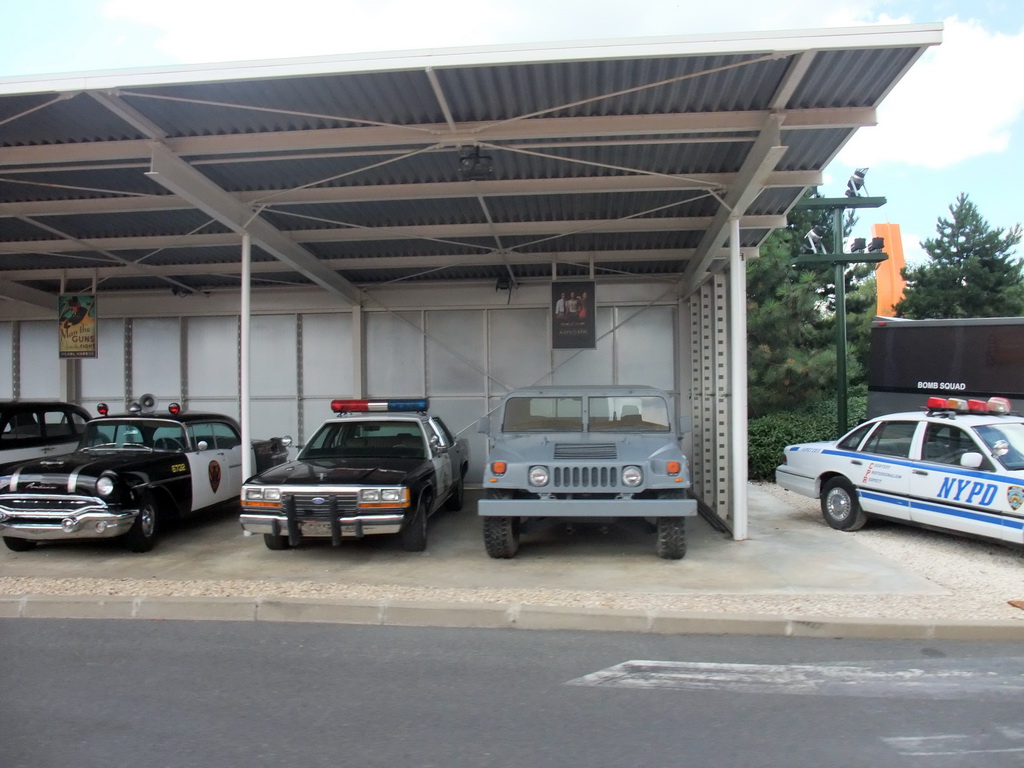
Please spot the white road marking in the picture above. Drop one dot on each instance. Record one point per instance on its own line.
(992, 679)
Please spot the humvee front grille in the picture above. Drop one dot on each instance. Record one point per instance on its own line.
(594, 478)
(599, 451)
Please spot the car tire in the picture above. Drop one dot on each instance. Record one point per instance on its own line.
(501, 537)
(276, 541)
(840, 505)
(19, 545)
(414, 532)
(142, 536)
(671, 542)
(456, 499)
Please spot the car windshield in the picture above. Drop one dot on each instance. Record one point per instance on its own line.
(627, 414)
(366, 439)
(1006, 441)
(134, 434)
(543, 414)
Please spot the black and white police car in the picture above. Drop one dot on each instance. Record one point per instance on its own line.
(131, 473)
(957, 465)
(377, 467)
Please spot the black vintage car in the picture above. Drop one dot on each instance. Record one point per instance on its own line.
(130, 474)
(378, 467)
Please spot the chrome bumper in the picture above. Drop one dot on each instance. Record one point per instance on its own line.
(587, 507)
(87, 524)
(351, 526)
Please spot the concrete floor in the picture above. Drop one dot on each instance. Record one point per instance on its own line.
(785, 554)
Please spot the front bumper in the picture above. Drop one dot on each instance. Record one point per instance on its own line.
(344, 526)
(49, 518)
(578, 508)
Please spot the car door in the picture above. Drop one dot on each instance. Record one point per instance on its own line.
(948, 495)
(62, 428)
(442, 460)
(882, 469)
(215, 470)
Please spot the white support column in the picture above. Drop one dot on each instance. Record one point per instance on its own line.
(246, 331)
(358, 352)
(738, 386)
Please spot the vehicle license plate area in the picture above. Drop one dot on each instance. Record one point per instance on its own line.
(315, 529)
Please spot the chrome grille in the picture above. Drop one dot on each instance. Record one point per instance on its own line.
(597, 478)
(306, 508)
(58, 504)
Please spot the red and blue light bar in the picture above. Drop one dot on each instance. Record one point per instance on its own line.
(997, 405)
(362, 406)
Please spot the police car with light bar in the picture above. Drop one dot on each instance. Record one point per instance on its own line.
(377, 467)
(956, 466)
(131, 474)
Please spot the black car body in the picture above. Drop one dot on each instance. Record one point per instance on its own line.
(39, 428)
(131, 473)
(377, 468)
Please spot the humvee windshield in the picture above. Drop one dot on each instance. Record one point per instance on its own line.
(627, 413)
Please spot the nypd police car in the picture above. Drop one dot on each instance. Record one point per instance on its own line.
(131, 474)
(377, 467)
(957, 466)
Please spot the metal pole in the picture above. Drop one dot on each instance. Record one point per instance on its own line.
(841, 382)
(247, 469)
(738, 385)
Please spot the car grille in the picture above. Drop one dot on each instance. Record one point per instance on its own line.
(54, 504)
(597, 478)
(320, 506)
(600, 451)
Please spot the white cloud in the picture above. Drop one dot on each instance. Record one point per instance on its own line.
(959, 101)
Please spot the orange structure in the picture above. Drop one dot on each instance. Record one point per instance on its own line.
(890, 283)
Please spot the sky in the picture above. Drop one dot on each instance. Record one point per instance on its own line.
(954, 124)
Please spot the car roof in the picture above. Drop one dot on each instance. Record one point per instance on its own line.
(10, 406)
(185, 417)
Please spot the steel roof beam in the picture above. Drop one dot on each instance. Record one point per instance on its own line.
(175, 174)
(584, 129)
(12, 291)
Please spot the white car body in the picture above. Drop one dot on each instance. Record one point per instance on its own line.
(943, 468)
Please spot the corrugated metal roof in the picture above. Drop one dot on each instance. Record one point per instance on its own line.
(619, 158)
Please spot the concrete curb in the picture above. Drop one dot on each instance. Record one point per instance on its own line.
(496, 616)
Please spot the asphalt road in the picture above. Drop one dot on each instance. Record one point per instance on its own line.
(158, 694)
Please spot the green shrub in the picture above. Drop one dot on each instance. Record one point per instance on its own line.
(769, 435)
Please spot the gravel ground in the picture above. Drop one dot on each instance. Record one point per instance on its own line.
(980, 579)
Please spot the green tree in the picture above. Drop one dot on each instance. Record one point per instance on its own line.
(971, 272)
(791, 334)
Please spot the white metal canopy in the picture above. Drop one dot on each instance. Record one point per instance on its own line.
(622, 159)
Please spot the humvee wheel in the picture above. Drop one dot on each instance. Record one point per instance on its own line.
(671, 544)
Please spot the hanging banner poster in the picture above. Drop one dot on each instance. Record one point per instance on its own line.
(572, 315)
(76, 319)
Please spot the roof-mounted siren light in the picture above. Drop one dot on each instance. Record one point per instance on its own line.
(392, 406)
(999, 405)
(102, 409)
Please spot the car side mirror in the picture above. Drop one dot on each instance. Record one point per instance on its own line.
(483, 426)
(971, 460)
(436, 446)
(202, 445)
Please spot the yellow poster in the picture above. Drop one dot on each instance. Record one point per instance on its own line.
(76, 319)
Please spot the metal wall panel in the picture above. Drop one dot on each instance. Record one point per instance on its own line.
(155, 364)
(709, 384)
(211, 352)
(394, 354)
(102, 378)
(7, 357)
(456, 353)
(39, 376)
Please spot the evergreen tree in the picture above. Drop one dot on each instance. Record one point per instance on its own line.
(972, 271)
(791, 332)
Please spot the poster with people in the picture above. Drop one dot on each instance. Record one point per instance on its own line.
(76, 325)
(572, 315)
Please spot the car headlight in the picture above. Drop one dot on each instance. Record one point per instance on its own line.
(369, 494)
(105, 485)
(632, 476)
(539, 476)
(390, 494)
(258, 493)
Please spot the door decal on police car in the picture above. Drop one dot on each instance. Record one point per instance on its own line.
(214, 473)
(1015, 497)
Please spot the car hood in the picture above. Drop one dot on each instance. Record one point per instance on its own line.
(356, 471)
(620, 447)
(51, 473)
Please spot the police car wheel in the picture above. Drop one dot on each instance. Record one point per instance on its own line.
(414, 533)
(840, 506)
(141, 537)
(275, 541)
(19, 545)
